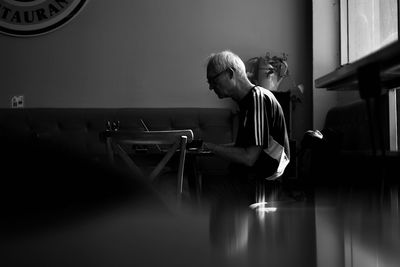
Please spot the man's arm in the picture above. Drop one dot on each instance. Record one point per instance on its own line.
(246, 156)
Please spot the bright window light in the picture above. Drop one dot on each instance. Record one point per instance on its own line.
(366, 26)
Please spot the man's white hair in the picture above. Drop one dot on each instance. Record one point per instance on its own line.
(224, 60)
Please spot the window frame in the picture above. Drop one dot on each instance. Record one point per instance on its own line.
(344, 30)
(393, 94)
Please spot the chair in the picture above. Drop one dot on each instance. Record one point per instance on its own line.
(176, 139)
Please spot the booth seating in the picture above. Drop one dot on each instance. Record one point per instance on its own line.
(351, 123)
(346, 155)
(77, 129)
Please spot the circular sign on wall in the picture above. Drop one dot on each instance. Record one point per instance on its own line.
(34, 17)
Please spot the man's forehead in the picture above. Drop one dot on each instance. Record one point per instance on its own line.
(211, 70)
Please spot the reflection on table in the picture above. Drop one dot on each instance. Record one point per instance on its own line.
(90, 214)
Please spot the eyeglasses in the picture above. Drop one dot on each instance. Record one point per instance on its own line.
(213, 80)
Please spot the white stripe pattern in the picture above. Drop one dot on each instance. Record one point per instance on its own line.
(258, 116)
(276, 151)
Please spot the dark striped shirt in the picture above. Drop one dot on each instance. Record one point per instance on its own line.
(262, 123)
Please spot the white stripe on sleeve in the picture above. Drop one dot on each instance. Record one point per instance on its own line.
(258, 117)
(276, 151)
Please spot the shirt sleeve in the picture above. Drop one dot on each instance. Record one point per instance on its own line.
(257, 121)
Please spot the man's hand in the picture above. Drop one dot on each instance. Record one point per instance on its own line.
(246, 156)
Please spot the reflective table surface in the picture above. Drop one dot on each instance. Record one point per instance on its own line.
(83, 214)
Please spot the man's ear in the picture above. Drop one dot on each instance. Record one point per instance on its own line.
(230, 72)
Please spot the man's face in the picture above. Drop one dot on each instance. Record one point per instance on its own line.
(217, 81)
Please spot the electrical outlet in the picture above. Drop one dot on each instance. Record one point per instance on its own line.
(17, 101)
